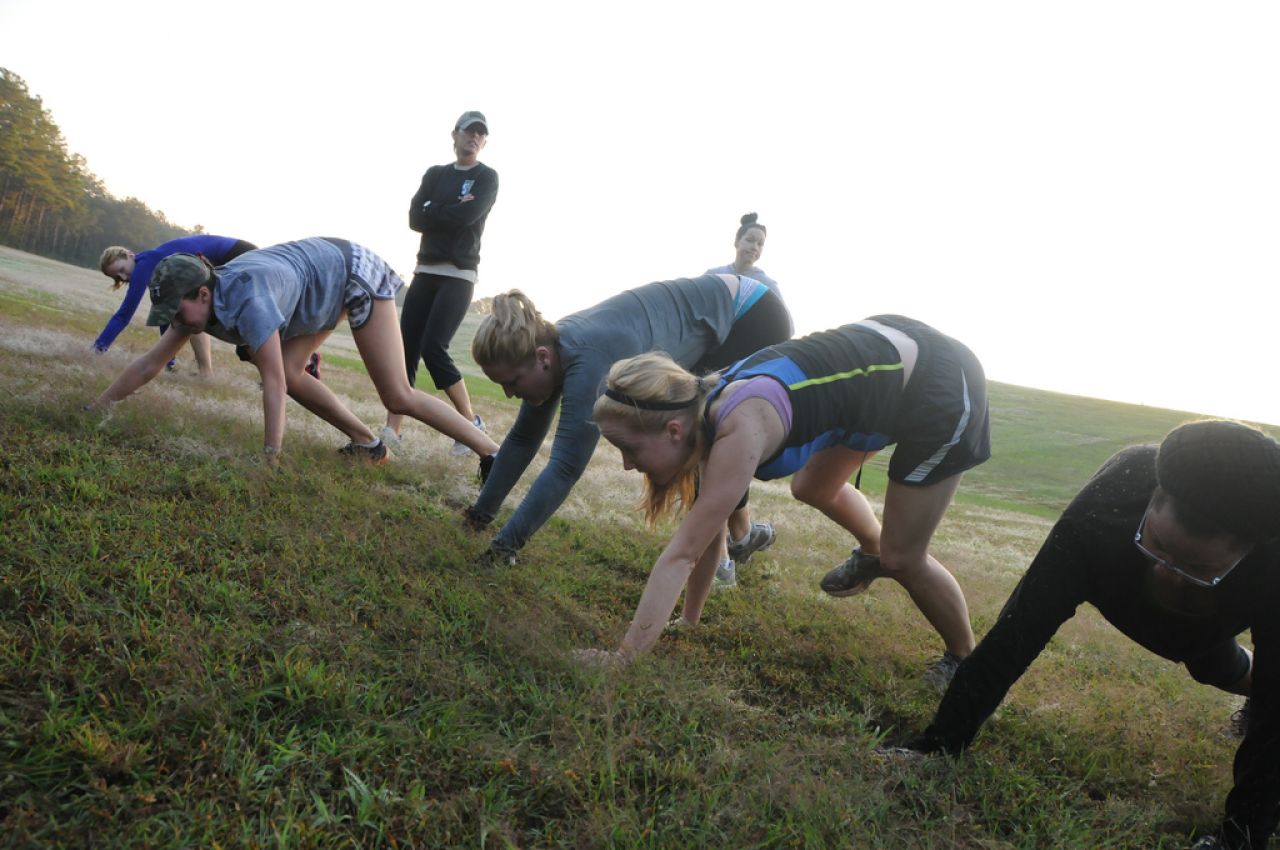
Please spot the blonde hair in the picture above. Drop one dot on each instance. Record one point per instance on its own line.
(511, 331)
(656, 378)
(109, 256)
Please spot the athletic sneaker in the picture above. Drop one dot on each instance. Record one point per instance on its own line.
(760, 536)
(1240, 721)
(726, 575)
(459, 448)
(171, 366)
(486, 466)
(389, 436)
(313, 365)
(942, 671)
(854, 575)
(375, 455)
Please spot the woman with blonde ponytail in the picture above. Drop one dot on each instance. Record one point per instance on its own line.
(814, 408)
(563, 365)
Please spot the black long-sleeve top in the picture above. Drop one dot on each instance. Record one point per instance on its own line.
(451, 227)
(1090, 556)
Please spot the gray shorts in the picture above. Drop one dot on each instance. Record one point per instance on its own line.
(369, 279)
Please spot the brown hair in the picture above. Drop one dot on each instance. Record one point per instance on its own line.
(749, 221)
(109, 256)
(511, 331)
(655, 378)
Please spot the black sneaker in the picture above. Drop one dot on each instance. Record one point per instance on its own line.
(486, 466)
(854, 575)
(313, 365)
(375, 455)
(942, 671)
(1240, 721)
(760, 536)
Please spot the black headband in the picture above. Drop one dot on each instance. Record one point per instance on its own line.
(623, 398)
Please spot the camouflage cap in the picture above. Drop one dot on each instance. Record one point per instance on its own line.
(175, 277)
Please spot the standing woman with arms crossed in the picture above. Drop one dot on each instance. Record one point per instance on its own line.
(563, 366)
(815, 407)
(449, 210)
(125, 267)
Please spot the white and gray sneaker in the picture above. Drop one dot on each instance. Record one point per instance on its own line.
(390, 437)
(459, 448)
(726, 575)
(759, 537)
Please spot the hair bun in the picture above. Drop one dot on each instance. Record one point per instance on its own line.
(749, 218)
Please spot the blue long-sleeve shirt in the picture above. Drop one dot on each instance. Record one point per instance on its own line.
(216, 249)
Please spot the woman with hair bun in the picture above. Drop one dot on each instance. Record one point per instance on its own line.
(746, 537)
(562, 365)
(815, 408)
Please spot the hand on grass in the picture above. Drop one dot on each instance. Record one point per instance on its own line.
(496, 557)
(473, 520)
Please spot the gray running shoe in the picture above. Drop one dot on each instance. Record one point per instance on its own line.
(459, 448)
(760, 536)
(726, 575)
(854, 575)
(942, 671)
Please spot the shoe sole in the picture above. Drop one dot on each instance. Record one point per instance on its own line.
(853, 591)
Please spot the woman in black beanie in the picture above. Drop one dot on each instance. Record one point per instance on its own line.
(1176, 546)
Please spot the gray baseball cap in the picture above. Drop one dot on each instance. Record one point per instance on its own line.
(175, 277)
(472, 117)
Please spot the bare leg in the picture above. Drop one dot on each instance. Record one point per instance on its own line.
(740, 523)
(383, 353)
(911, 516)
(202, 347)
(314, 395)
(457, 393)
(824, 484)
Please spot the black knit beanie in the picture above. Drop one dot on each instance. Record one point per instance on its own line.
(1226, 472)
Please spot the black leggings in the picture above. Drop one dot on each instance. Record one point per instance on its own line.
(241, 247)
(766, 323)
(433, 310)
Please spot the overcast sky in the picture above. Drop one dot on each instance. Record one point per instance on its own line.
(1086, 193)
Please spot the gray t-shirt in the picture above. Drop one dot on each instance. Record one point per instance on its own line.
(296, 288)
(686, 318)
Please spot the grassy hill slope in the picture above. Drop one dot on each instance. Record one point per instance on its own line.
(197, 651)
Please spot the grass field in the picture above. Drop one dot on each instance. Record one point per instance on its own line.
(197, 651)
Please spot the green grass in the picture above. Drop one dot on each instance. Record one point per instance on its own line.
(197, 651)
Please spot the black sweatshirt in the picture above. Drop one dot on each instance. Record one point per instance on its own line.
(1090, 556)
(451, 228)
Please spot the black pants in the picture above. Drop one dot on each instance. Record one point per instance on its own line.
(433, 310)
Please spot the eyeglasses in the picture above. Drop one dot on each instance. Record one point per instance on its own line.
(1173, 568)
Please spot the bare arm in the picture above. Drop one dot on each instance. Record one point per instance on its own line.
(142, 369)
(270, 365)
(750, 433)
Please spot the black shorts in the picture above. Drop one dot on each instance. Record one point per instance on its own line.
(944, 427)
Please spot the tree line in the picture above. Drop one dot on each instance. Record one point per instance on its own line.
(50, 203)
